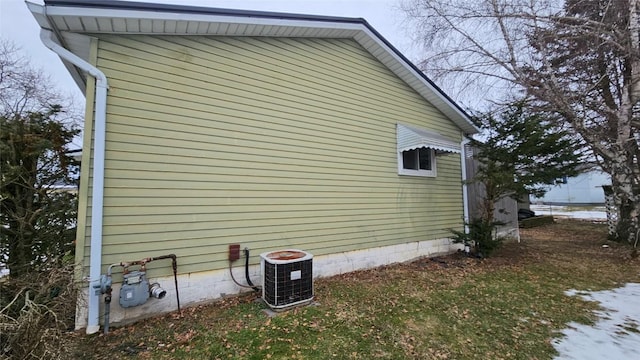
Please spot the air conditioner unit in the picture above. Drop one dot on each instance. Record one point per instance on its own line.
(287, 278)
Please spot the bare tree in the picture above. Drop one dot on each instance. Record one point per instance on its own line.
(577, 60)
(23, 89)
(37, 213)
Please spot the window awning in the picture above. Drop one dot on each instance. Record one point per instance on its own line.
(410, 138)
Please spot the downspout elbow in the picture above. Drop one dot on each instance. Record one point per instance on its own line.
(46, 36)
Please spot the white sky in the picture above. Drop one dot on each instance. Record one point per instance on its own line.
(18, 25)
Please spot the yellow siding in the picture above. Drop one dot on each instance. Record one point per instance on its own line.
(267, 142)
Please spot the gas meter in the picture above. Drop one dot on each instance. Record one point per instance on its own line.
(135, 289)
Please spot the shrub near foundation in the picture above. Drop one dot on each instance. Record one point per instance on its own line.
(481, 237)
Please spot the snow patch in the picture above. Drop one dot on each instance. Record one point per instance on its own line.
(616, 334)
(594, 213)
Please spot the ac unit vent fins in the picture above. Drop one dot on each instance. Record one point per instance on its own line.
(287, 278)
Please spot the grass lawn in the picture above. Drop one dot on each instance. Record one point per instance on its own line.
(507, 307)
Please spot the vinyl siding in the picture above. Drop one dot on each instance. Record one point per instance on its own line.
(267, 142)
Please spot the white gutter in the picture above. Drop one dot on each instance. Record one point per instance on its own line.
(465, 189)
(95, 262)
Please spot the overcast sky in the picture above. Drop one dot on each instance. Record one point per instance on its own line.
(18, 25)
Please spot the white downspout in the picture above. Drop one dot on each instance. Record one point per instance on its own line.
(95, 262)
(465, 189)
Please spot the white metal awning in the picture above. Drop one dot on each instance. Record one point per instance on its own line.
(410, 138)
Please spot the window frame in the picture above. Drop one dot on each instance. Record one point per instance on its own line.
(418, 172)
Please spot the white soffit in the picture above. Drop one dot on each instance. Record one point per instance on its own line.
(96, 19)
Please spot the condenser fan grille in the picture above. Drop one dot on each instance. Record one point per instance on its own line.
(287, 278)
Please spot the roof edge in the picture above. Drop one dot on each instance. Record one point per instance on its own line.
(424, 76)
(468, 127)
(189, 9)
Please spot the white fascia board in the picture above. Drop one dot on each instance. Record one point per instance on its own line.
(156, 15)
(38, 13)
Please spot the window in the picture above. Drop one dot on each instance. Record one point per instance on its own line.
(418, 159)
(417, 150)
(418, 162)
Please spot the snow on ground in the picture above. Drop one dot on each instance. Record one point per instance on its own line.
(3, 267)
(597, 213)
(616, 334)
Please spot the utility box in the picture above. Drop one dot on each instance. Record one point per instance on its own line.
(134, 290)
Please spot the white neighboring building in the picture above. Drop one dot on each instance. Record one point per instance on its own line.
(584, 189)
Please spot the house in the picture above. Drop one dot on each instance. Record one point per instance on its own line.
(583, 189)
(211, 127)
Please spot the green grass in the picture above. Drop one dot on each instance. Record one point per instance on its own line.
(510, 306)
